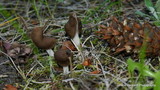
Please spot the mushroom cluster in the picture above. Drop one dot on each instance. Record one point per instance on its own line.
(64, 55)
(73, 29)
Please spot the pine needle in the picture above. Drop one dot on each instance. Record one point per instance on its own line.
(2, 24)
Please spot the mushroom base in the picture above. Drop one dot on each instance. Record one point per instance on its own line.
(50, 52)
(65, 70)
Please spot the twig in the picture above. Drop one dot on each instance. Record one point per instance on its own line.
(14, 65)
(87, 4)
(5, 62)
(9, 33)
(71, 84)
(71, 66)
(119, 79)
(3, 76)
(28, 82)
(4, 23)
(114, 58)
(31, 69)
(100, 65)
(43, 82)
(87, 39)
(72, 8)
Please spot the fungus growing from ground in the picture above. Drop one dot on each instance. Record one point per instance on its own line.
(42, 41)
(63, 58)
(73, 29)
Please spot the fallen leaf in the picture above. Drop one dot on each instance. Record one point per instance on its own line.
(127, 28)
(17, 51)
(68, 45)
(95, 72)
(87, 62)
(9, 87)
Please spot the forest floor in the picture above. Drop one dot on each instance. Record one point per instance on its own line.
(31, 68)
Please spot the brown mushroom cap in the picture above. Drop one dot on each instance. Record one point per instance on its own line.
(62, 57)
(70, 26)
(41, 41)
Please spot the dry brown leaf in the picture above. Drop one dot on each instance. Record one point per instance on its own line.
(9, 87)
(95, 72)
(129, 36)
(68, 45)
(87, 62)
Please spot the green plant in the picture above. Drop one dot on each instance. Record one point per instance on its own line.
(144, 71)
(151, 8)
(154, 10)
(9, 16)
(157, 6)
(36, 9)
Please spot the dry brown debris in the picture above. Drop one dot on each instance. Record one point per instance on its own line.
(16, 51)
(128, 36)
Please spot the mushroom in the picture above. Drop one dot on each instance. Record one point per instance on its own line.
(63, 58)
(41, 41)
(73, 29)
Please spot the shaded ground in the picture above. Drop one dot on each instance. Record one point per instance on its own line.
(8, 75)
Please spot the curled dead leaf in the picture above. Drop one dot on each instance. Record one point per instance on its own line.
(68, 45)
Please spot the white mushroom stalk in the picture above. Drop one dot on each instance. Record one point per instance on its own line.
(50, 52)
(76, 39)
(65, 70)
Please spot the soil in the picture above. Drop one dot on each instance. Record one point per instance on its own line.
(8, 75)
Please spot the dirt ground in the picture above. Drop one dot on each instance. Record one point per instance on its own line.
(8, 75)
